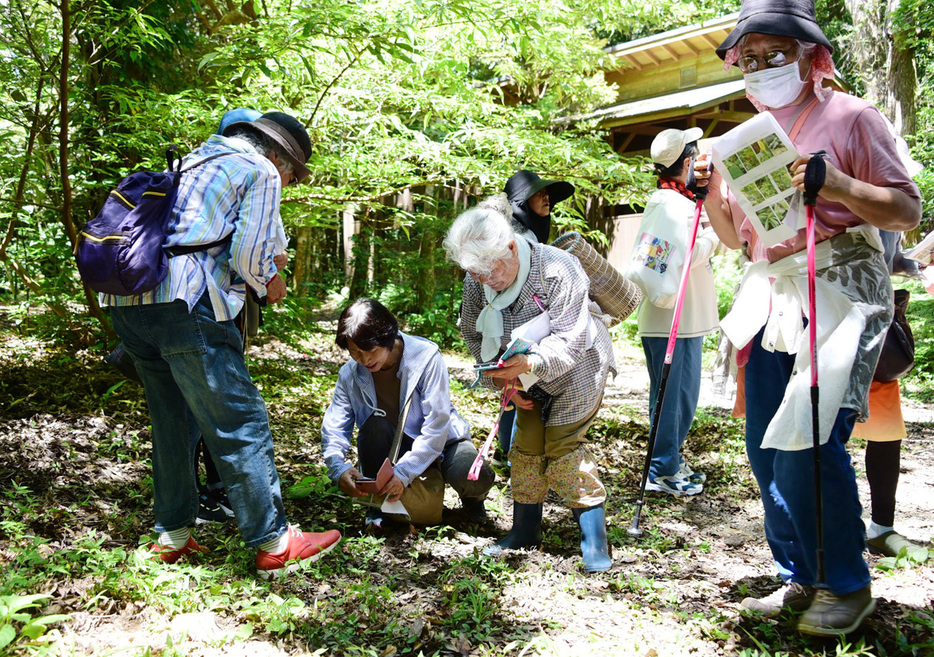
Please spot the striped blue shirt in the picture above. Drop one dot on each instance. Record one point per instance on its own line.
(236, 194)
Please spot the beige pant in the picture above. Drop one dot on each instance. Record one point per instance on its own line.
(544, 457)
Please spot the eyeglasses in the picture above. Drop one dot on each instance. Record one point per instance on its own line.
(771, 59)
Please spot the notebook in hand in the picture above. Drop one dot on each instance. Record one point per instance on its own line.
(373, 486)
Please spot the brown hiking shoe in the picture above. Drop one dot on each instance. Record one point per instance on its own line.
(790, 597)
(890, 544)
(832, 615)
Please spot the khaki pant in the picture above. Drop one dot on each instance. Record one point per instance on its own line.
(554, 457)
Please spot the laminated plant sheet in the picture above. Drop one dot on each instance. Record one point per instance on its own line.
(753, 159)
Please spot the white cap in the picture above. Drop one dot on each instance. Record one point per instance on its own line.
(669, 144)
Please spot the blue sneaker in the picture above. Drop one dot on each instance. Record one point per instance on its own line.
(674, 485)
(686, 472)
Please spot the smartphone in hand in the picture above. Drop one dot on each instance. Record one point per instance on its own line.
(484, 367)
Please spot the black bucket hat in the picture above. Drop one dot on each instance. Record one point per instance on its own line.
(288, 133)
(787, 18)
(523, 185)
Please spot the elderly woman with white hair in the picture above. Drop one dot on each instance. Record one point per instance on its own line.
(508, 282)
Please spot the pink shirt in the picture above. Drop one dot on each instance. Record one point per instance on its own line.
(858, 143)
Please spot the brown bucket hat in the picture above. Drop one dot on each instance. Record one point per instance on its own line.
(288, 133)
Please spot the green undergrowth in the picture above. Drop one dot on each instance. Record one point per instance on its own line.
(75, 522)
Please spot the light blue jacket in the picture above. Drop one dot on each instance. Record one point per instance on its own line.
(432, 422)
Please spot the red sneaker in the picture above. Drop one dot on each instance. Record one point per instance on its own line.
(303, 548)
(170, 555)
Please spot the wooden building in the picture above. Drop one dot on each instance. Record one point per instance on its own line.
(670, 80)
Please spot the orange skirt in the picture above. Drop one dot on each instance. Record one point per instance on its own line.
(885, 414)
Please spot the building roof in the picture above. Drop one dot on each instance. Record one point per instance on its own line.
(675, 45)
(679, 103)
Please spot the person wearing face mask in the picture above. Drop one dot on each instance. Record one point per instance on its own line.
(532, 200)
(785, 57)
(673, 204)
(394, 378)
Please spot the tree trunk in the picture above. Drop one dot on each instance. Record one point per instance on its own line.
(302, 266)
(886, 63)
(426, 284)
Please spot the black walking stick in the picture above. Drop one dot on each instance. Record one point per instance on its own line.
(814, 175)
(700, 193)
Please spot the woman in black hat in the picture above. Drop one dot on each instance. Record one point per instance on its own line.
(532, 199)
(785, 58)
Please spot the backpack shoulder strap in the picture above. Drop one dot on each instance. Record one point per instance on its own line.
(205, 160)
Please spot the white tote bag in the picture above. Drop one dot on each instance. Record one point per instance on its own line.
(657, 258)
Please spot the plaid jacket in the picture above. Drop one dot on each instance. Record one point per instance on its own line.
(572, 374)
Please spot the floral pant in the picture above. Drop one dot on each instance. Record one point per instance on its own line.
(555, 458)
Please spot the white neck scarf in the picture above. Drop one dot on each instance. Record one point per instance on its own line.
(490, 320)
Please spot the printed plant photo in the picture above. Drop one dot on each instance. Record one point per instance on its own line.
(748, 158)
(781, 179)
(734, 166)
(771, 216)
(752, 192)
(766, 187)
(773, 145)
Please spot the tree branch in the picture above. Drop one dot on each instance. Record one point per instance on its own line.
(324, 91)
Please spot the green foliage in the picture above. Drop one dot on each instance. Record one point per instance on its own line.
(16, 613)
(904, 559)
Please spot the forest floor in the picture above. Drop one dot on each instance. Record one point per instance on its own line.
(75, 502)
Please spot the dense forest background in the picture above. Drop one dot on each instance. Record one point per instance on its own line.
(414, 109)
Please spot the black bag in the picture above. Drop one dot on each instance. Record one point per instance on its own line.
(121, 251)
(898, 352)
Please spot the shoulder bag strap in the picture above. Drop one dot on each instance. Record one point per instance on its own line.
(400, 430)
(802, 117)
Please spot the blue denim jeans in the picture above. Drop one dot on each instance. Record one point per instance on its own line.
(680, 404)
(786, 484)
(197, 384)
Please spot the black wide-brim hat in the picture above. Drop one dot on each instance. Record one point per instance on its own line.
(523, 185)
(786, 18)
(288, 133)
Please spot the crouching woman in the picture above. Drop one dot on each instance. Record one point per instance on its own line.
(394, 379)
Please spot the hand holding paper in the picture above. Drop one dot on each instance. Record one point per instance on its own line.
(372, 486)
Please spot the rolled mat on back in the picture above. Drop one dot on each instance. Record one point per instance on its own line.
(615, 294)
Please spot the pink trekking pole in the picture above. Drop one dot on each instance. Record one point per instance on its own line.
(508, 391)
(814, 175)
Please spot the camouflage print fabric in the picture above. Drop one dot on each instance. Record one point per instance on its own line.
(860, 272)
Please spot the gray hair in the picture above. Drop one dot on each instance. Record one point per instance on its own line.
(480, 237)
(264, 146)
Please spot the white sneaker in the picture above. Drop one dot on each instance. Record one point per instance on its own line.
(674, 485)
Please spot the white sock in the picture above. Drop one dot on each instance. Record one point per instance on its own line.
(177, 538)
(875, 531)
(277, 544)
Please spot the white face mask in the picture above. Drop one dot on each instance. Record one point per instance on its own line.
(776, 87)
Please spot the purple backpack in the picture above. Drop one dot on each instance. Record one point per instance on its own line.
(121, 250)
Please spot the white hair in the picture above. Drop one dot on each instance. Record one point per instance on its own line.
(480, 237)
